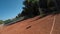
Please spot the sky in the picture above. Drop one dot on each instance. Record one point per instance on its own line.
(10, 8)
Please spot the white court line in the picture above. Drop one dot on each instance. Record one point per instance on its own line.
(53, 25)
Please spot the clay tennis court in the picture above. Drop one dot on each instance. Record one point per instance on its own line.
(47, 25)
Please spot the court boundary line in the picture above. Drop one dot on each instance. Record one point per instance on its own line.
(54, 20)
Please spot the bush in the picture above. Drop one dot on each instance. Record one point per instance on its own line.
(1, 21)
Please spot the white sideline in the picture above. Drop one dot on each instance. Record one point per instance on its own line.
(53, 25)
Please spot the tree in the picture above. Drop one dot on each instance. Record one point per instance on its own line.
(48, 6)
(37, 7)
(30, 9)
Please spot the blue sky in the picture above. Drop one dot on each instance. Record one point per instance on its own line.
(10, 8)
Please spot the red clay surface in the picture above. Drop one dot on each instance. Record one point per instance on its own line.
(35, 26)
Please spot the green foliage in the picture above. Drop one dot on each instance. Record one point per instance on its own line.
(33, 1)
(1, 21)
(7, 21)
(48, 7)
(30, 9)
